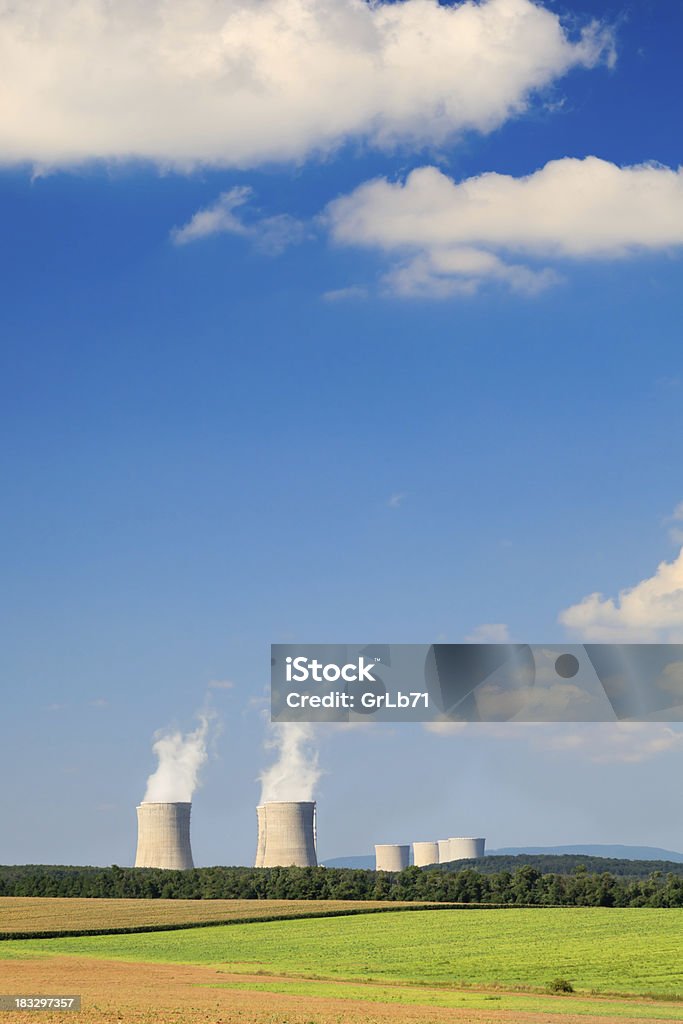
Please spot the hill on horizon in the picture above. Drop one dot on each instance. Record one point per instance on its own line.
(602, 850)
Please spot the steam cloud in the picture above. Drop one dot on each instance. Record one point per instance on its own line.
(181, 758)
(296, 771)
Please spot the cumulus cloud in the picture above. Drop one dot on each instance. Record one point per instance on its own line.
(442, 273)
(649, 612)
(241, 82)
(271, 235)
(448, 237)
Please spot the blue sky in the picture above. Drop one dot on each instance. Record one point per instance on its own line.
(205, 451)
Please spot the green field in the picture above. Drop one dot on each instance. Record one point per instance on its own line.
(473, 999)
(636, 951)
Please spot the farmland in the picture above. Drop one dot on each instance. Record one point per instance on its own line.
(36, 914)
(599, 951)
(453, 965)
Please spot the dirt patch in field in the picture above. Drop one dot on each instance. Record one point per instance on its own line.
(126, 993)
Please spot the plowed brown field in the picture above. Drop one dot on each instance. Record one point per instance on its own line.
(126, 993)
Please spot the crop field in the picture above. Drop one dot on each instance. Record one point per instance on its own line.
(47, 914)
(634, 951)
(418, 967)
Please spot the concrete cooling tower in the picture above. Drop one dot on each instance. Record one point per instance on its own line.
(425, 854)
(444, 848)
(465, 848)
(286, 835)
(164, 836)
(390, 857)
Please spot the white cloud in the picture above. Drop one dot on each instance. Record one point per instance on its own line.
(441, 273)
(601, 743)
(448, 237)
(268, 234)
(621, 742)
(241, 82)
(219, 218)
(221, 684)
(489, 633)
(649, 612)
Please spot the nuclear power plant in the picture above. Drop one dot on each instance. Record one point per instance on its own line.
(391, 857)
(394, 857)
(287, 837)
(286, 834)
(164, 836)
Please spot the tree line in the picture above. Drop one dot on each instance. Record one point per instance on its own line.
(566, 864)
(525, 886)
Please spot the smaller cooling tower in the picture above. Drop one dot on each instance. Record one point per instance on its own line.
(286, 834)
(465, 848)
(391, 857)
(444, 848)
(425, 853)
(164, 836)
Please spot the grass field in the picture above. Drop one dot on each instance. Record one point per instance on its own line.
(477, 999)
(29, 914)
(637, 951)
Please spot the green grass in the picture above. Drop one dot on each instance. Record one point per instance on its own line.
(420, 996)
(635, 951)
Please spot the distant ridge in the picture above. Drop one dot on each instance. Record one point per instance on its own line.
(367, 863)
(594, 850)
(360, 863)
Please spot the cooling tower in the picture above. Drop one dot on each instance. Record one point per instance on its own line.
(425, 853)
(286, 835)
(444, 848)
(465, 848)
(260, 837)
(164, 836)
(390, 857)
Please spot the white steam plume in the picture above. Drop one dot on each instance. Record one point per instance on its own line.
(295, 773)
(181, 758)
